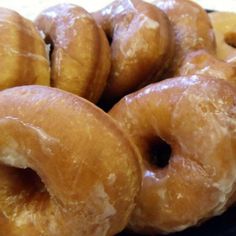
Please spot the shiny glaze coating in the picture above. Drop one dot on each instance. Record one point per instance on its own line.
(86, 172)
(192, 28)
(80, 57)
(196, 117)
(141, 44)
(202, 63)
(23, 52)
(224, 25)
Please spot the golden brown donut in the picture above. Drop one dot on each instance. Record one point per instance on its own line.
(192, 28)
(66, 168)
(141, 45)
(202, 63)
(80, 58)
(224, 25)
(23, 53)
(189, 122)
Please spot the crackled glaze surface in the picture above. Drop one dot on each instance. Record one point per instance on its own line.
(80, 53)
(74, 173)
(192, 28)
(196, 116)
(141, 45)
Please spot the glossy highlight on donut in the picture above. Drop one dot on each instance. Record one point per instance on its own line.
(195, 116)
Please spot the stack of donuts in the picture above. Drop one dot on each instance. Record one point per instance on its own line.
(124, 118)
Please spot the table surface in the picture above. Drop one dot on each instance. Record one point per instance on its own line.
(30, 9)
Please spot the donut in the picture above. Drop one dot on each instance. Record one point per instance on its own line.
(184, 129)
(80, 53)
(192, 29)
(141, 45)
(224, 25)
(66, 168)
(23, 53)
(202, 63)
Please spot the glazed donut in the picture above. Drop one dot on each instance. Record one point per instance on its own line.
(202, 63)
(189, 124)
(141, 45)
(80, 57)
(66, 168)
(224, 25)
(192, 28)
(23, 53)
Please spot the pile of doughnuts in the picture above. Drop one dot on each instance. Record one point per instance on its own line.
(124, 118)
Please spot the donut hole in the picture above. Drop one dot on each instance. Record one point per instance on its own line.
(49, 42)
(29, 180)
(230, 39)
(24, 184)
(160, 153)
(109, 39)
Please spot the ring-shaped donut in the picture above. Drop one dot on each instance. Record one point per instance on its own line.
(184, 129)
(66, 169)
